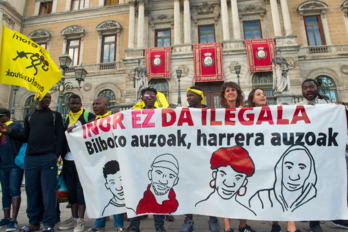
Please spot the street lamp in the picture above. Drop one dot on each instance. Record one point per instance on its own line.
(178, 75)
(237, 68)
(61, 86)
(15, 89)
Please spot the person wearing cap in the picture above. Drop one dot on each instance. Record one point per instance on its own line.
(230, 179)
(159, 196)
(195, 99)
(10, 174)
(44, 133)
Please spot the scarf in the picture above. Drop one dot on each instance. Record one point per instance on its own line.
(200, 93)
(103, 116)
(73, 117)
(7, 124)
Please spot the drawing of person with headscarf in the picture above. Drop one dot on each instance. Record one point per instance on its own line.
(231, 167)
(295, 180)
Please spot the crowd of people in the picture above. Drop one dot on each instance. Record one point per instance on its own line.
(43, 132)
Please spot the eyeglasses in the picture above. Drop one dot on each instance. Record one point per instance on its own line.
(146, 96)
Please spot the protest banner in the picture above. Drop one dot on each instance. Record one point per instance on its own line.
(25, 63)
(276, 163)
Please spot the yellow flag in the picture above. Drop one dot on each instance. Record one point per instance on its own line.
(25, 63)
(161, 102)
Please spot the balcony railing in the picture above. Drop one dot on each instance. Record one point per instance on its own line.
(326, 49)
(318, 49)
(99, 67)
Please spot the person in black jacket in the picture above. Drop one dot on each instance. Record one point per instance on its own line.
(10, 174)
(44, 133)
(76, 117)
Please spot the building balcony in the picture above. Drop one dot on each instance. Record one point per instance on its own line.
(327, 50)
(101, 67)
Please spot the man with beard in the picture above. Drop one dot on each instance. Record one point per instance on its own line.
(160, 196)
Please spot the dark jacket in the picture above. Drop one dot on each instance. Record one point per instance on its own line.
(7, 152)
(91, 117)
(43, 133)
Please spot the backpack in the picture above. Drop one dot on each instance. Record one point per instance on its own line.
(85, 117)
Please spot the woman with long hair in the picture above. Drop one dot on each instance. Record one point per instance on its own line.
(257, 98)
(231, 96)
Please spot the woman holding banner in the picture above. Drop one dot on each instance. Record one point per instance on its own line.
(231, 97)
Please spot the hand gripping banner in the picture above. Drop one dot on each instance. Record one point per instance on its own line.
(157, 61)
(25, 63)
(260, 54)
(277, 163)
(208, 62)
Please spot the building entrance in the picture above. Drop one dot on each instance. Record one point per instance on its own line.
(211, 92)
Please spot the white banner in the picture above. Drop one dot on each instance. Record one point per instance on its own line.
(277, 163)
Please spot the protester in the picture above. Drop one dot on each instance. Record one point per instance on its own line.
(76, 117)
(231, 97)
(148, 96)
(10, 174)
(44, 133)
(100, 108)
(195, 99)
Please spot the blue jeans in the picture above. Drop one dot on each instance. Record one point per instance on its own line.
(118, 221)
(159, 220)
(11, 180)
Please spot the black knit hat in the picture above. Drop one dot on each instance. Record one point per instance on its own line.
(4, 112)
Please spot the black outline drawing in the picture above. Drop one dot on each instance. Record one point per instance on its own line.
(112, 168)
(34, 58)
(166, 166)
(306, 186)
(221, 160)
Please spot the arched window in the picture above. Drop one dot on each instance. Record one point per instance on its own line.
(65, 107)
(109, 95)
(29, 106)
(160, 85)
(264, 81)
(328, 87)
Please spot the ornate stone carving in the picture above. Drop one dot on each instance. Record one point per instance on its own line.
(344, 6)
(109, 26)
(9, 19)
(39, 34)
(162, 16)
(281, 81)
(87, 87)
(291, 62)
(132, 2)
(161, 21)
(344, 69)
(312, 6)
(252, 10)
(205, 12)
(73, 30)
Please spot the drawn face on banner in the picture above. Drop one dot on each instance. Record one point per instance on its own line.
(296, 168)
(228, 181)
(114, 184)
(164, 174)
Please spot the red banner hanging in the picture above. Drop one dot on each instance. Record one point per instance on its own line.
(157, 62)
(260, 54)
(208, 62)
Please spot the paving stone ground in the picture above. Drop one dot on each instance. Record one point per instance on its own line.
(147, 225)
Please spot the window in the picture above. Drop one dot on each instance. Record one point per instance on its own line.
(73, 49)
(315, 34)
(29, 106)
(44, 45)
(162, 38)
(264, 81)
(45, 8)
(206, 34)
(77, 4)
(109, 49)
(110, 2)
(328, 88)
(65, 107)
(161, 86)
(109, 95)
(252, 30)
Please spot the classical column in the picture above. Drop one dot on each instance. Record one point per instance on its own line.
(131, 24)
(224, 19)
(235, 19)
(37, 8)
(101, 3)
(54, 6)
(286, 17)
(275, 17)
(176, 22)
(141, 4)
(187, 22)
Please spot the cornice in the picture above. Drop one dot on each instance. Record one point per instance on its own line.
(7, 8)
(67, 16)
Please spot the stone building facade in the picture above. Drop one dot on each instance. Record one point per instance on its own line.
(109, 38)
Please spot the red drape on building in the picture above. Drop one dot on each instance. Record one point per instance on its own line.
(208, 62)
(157, 62)
(260, 54)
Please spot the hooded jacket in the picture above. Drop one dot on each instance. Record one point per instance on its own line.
(7, 153)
